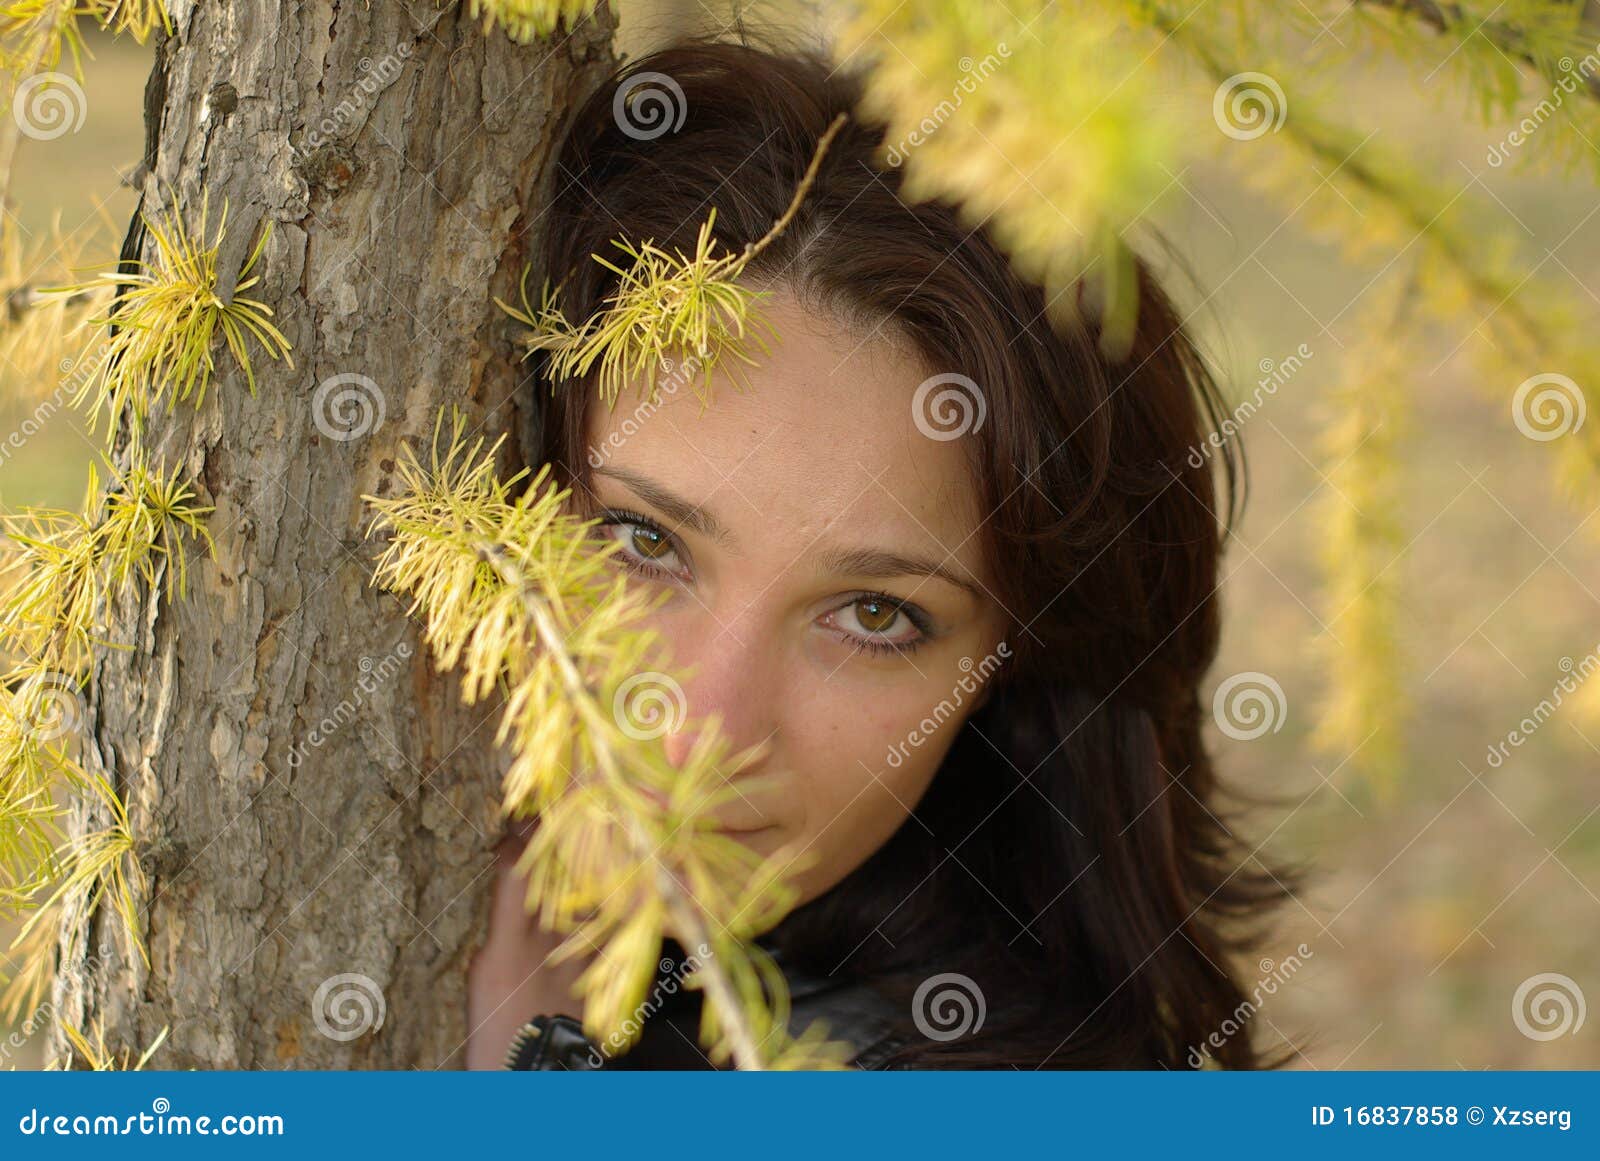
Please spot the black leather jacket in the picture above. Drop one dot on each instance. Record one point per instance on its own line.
(854, 1013)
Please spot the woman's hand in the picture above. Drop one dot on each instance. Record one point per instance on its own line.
(510, 980)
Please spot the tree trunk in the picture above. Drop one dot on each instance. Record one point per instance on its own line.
(313, 808)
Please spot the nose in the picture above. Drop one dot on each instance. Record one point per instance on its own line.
(734, 674)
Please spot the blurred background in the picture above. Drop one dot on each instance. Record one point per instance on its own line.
(1429, 902)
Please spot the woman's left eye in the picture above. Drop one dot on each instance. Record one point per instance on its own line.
(879, 623)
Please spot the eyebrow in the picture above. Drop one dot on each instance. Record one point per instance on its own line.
(678, 509)
(867, 562)
(875, 562)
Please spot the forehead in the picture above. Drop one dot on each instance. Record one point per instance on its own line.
(824, 443)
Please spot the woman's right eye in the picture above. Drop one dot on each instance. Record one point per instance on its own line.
(646, 547)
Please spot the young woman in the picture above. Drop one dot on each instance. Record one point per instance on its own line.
(955, 568)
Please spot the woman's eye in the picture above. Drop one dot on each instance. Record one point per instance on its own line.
(644, 546)
(879, 623)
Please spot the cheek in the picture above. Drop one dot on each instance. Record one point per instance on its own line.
(847, 737)
(847, 797)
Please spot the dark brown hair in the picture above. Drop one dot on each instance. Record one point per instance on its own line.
(1069, 856)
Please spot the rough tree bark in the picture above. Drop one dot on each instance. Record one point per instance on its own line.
(310, 804)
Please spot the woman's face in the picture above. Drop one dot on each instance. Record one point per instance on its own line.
(826, 585)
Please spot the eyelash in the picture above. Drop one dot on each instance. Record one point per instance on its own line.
(918, 618)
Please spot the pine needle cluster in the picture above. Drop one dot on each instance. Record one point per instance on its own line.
(518, 591)
(63, 572)
(526, 20)
(663, 305)
(167, 316)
